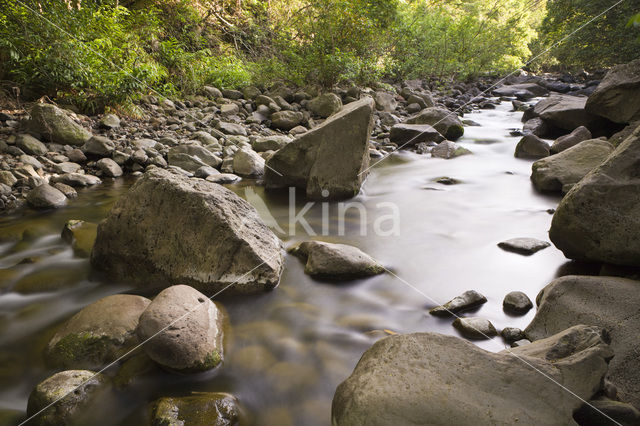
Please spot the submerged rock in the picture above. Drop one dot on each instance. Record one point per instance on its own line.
(199, 409)
(526, 246)
(329, 161)
(475, 328)
(443, 120)
(54, 124)
(443, 380)
(617, 97)
(169, 229)
(98, 334)
(448, 150)
(183, 330)
(336, 261)
(81, 235)
(468, 300)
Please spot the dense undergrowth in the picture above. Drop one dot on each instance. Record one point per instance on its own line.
(95, 54)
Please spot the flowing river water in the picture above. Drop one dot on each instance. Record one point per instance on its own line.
(287, 350)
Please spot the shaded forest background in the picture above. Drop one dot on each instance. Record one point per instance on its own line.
(95, 54)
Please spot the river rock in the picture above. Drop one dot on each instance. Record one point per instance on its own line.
(408, 135)
(67, 190)
(325, 105)
(531, 146)
(475, 328)
(31, 145)
(197, 151)
(607, 302)
(443, 120)
(109, 167)
(80, 234)
(67, 167)
(247, 162)
(443, 380)
(7, 178)
(518, 89)
(468, 300)
(385, 101)
(183, 330)
(594, 413)
(232, 129)
(200, 409)
(336, 261)
(599, 218)
(331, 160)
(109, 121)
(286, 120)
(559, 172)
(448, 150)
(46, 197)
(517, 303)
(99, 146)
(81, 389)
(512, 334)
(567, 141)
(170, 229)
(617, 97)
(526, 246)
(98, 334)
(54, 124)
(76, 180)
(223, 178)
(567, 112)
(270, 143)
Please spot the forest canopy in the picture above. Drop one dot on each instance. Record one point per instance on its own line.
(96, 53)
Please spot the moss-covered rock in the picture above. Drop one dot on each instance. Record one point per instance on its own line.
(52, 278)
(199, 409)
(55, 124)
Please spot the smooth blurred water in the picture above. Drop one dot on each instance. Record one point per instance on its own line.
(287, 350)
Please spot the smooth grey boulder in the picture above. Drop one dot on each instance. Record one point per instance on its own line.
(196, 151)
(475, 328)
(325, 105)
(408, 135)
(617, 97)
(443, 120)
(336, 261)
(109, 121)
(517, 302)
(247, 162)
(169, 229)
(109, 167)
(567, 141)
(429, 378)
(31, 145)
(522, 245)
(54, 124)
(330, 161)
(199, 409)
(182, 329)
(46, 197)
(99, 146)
(98, 334)
(448, 150)
(76, 180)
(515, 89)
(270, 143)
(559, 172)
(385, 101)
(232, 129)
(607, 302)
(82, 391)
(286, 120)
(531, 146)
(512, 334)
(567, 112)
(189, 163)
(599, 218)
(468, 300)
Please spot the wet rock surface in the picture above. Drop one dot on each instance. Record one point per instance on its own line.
(468, 300)
(336, 261)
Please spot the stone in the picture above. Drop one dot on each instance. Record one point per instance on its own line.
(81, 235)
(192, 156)
(468, 300)
(232, 129)
(109, 167)
(525, 246)
(444, 121)
(99, 146)
(385, 101)
(206, 171)
(408, 135)
(67, 167)
(109, 121)
(46, 197)
(247, 162)
(599, 217)
(286, 120)
(223, 178)
(475, 328)
(448, 150)
(324, 105)
(187, 162)
(54, 124)
(81, 389)
(617, 97)
(194, 232)
(607, 302)
(559, 172)
(443, 380)
(619, 137)
(514, 89)
(330, 161)
(228, 110)
(182, 329)
(98, 334)
(199, 409)
(270, 143)
(594, 413)
(7, 178)
(232, 94)
(336, 261)
(212, 92)
(517, 302)
(512, 334)
(580, 134)
(536, 126)
(531, 146)
(76, 180)
(67, 190)
(566, 112)
(31, 145)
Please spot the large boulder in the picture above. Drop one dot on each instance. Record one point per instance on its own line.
(286, 120)
(331, 160)
(559, 172)
(200, 409)
(531, 146)
(247, 162)
(520, 90)
(54, 124)
(98, 334)
(607, 302)
(169, 229)
(572, 139)
(428, 378)
(617, 97)
(443, 120)
(599, 218)
(182, 329)
(385, 101)
(568, 113)
(408, 135)
(325, 105)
